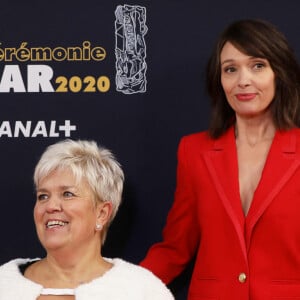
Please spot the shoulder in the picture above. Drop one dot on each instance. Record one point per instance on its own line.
(295, 131)
(126, 276)
(194, 147)
(11, 276)
(12, 267)
(288, 139)
(134, 271)
(195, 142)
(201, 136)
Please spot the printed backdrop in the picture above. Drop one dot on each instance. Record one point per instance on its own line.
(128, 75)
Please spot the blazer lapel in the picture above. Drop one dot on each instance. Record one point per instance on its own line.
(280, 165)
(221, 162)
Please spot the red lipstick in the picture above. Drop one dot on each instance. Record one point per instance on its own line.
(245, 96)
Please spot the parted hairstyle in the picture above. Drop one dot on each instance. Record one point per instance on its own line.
(261, 39)
(85, 159)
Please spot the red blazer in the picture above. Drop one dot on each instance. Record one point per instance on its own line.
(255, 257)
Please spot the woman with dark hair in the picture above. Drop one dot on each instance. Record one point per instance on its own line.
(256, 39)
(236, 208)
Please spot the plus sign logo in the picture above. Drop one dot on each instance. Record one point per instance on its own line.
(30, 129)
(67, 128)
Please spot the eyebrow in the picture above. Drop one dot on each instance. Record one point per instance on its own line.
(63, 187)
(227, 61)
(230, 60)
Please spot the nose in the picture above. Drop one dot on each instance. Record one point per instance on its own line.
(54, 204)
(244, 78)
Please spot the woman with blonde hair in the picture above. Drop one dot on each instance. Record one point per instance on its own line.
(78, 191)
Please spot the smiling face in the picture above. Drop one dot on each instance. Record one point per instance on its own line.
(65, 213)
(248, 82)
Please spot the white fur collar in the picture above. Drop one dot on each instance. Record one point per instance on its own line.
(123, 281)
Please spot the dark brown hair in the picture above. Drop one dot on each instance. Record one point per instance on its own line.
(261, 39)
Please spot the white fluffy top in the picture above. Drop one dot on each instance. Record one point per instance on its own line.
(123, 281)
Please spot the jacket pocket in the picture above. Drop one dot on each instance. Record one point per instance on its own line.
(285, 289)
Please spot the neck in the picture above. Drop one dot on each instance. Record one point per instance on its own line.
(70, 255)
(69, 272)
(253, 132)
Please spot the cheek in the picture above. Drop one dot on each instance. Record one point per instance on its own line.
(268, 83)
(272, 87)
(268, 90)
(226, 85)
(37, 213)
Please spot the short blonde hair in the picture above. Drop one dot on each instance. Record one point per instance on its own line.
(85, 159)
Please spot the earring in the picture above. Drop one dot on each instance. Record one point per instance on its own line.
(98, 226)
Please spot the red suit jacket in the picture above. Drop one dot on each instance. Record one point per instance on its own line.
(255, 257)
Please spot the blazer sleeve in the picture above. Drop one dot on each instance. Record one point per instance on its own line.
(181, 236)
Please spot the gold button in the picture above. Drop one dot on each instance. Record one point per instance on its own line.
(242, 277)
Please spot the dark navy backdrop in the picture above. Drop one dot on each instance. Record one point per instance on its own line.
(142, 129)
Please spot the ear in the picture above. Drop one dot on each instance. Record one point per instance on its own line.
(103, 212)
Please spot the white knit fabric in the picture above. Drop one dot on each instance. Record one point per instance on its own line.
(124, 281)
